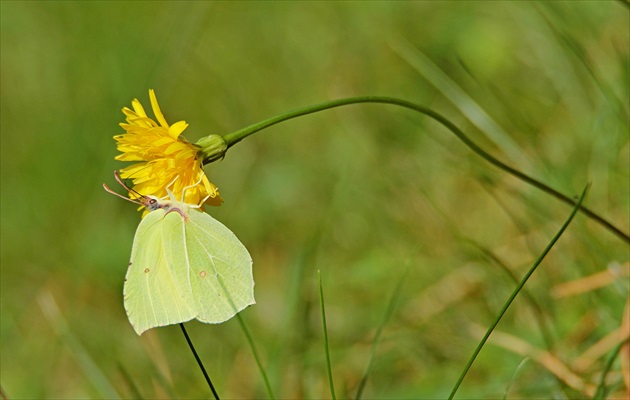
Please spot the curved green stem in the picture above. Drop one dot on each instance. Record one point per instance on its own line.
(234, 137)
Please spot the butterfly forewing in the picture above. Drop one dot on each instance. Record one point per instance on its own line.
(153, 292)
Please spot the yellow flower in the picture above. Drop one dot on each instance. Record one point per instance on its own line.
(166, 158)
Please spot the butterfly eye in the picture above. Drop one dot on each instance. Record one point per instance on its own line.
(152, 204)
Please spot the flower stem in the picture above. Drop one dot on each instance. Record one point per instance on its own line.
(234, 137)
(203, 369)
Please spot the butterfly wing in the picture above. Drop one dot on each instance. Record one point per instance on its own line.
(156, 292)
(219, 268)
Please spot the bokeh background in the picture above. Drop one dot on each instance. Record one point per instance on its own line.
(391, 207)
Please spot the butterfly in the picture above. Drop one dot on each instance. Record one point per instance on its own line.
(184, 265)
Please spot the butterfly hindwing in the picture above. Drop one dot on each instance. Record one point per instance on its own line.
(220, 269)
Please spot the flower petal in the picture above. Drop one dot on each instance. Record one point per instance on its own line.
(156, 109)
(177, 128)
(137, 108)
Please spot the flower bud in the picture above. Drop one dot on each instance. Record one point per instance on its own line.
(213, 148)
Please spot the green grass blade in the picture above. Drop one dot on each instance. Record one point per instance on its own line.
(90, 367)
(241, 321)
(323, 310)
(456, 95)
(135, 392)
(391, 306)
(601, 392)
(516, 291)
(537, 309)
(518, 368)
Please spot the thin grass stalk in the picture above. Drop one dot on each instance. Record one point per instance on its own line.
(391, 305)
(516, 291)
(89, 366)
(135, 392)
(241, 321)
(601, 392)
(537, 310)
(509, 385)
(323, 311)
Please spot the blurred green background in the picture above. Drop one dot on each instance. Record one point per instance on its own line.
(368, 194)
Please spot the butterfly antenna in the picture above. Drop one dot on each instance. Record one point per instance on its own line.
(120, 195)
(120, 181)
(130, 190)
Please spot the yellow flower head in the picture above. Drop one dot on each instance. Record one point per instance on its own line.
(166, 160)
